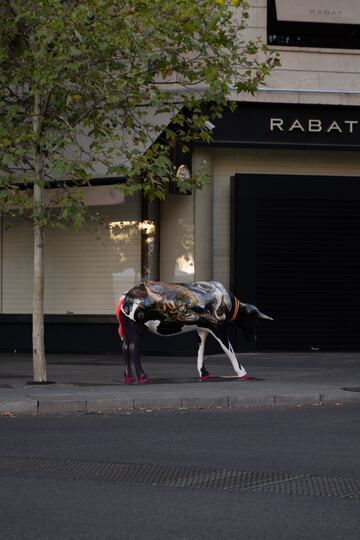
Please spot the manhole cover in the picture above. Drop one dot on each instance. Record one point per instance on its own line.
(352, 389)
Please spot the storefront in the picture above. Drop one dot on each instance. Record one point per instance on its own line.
(85, 272)
(279, 224)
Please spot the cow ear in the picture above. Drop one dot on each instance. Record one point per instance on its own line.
(263, 316)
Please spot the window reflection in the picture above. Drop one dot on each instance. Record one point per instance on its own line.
(125, 230)
(185, 264)
(128, 235)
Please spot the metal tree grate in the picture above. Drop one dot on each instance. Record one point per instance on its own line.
(180, 477)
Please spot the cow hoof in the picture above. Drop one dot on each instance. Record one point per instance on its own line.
(129, 380)
(143, 380)
(205, 377)
(244, 378)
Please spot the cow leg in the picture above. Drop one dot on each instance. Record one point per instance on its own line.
(203, 373)
(133, 332)
(238, 368)
(135, 357)
(128, 375)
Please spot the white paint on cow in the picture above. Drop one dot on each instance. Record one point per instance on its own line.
(136, 303)
(134, 307)
(203, 333)
(152, 326)
(238, 368)
(200, 357)
(221, 295)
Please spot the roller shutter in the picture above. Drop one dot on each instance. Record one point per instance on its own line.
(85, 271)
(301, 261)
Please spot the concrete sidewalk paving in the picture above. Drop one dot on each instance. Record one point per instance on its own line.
(93, 383)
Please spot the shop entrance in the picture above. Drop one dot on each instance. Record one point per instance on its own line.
(296, 254)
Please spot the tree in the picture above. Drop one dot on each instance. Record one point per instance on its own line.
(93, 83)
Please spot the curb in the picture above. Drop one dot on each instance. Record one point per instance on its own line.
(23, 407)
(36, 407)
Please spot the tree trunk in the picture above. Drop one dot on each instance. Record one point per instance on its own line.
(39, 362)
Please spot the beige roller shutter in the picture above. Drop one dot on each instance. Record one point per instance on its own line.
(85, 271)
(17, 272)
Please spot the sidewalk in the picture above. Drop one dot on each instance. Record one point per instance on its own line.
(93, 383)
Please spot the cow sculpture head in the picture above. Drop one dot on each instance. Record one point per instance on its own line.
(246, 318)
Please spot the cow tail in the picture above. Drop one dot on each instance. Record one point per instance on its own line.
(119, 317)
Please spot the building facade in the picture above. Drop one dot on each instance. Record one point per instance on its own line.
(279, 221)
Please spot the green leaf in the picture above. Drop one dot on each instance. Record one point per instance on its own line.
(104, 73)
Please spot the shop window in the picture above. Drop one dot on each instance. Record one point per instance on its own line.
(314, 23)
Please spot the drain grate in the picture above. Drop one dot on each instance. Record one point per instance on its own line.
(352, 389)
(180, 477)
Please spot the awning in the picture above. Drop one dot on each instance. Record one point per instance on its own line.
(319, 11)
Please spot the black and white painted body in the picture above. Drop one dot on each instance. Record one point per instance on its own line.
(168, 309)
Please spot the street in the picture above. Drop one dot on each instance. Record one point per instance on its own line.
(257, 474)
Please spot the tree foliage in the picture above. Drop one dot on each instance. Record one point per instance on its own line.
(89, 86)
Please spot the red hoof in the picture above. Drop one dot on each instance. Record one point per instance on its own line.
(129, 380)
(205, 377)
(143, 380)
(244, 378)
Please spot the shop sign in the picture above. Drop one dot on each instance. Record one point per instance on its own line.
(291, 125)
(314, 125)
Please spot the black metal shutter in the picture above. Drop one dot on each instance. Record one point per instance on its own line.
(297, 256)
(308, 273)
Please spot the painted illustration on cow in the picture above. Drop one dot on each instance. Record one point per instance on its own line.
(167, 309)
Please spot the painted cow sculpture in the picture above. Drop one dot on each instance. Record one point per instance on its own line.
(167, 309)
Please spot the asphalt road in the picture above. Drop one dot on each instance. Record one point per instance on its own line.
(254, 474)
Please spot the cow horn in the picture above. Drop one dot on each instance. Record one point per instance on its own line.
(263, 316)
